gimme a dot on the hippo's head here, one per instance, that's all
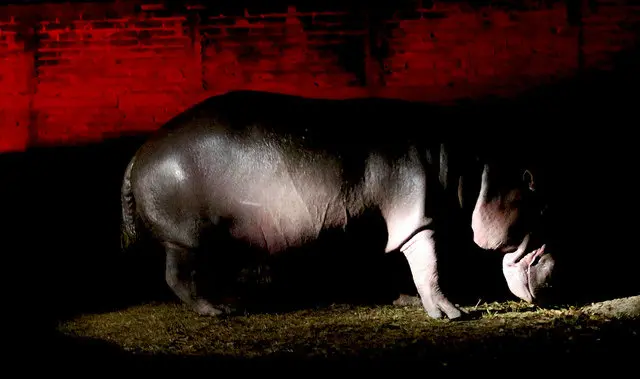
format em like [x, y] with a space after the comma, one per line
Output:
[507, 218]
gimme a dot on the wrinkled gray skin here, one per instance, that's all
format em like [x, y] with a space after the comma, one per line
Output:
[277, 172]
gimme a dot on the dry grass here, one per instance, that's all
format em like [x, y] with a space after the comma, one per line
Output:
[493, 331]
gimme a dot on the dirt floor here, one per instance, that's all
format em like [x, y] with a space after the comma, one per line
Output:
[496, 336]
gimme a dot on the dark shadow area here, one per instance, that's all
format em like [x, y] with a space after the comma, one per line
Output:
[61, 213]
[63, 224]
[614, 351]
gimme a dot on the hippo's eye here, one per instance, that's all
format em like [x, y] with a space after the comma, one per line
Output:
[527, 178]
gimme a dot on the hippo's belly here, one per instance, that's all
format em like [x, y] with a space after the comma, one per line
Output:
[274, 199]
[275, 221]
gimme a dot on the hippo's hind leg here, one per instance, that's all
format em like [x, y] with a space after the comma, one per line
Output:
[180, 275]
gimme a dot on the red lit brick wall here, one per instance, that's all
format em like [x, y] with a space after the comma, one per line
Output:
[275, 52]
[610, 29]
[15, 81]
[104, 77]
[81, 72]
[477, 52]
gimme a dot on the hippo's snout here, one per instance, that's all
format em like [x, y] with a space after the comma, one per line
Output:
[528, 275]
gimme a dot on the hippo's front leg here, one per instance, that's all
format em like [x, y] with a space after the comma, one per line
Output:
[180, 276]
[420, 252]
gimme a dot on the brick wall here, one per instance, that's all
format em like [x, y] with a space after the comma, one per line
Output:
[104, 77]
[608, 29]
[15, 77]
[491, 51]
[81, 71]
[285, 52]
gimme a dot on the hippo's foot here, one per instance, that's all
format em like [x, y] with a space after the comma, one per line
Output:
[407, 300]
[437, 306]
[420, 252]
[180, 276]
[205, 308]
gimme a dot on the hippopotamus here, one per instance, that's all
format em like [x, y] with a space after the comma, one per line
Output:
[275, 172]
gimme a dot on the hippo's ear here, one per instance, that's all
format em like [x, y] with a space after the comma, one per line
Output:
[527, 177]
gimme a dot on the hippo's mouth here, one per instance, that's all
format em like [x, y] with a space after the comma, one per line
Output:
[523, 255]
[525, 276]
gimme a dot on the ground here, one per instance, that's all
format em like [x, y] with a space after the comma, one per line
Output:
[495, 336]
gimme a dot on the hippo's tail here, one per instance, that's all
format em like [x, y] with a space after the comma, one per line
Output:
[128, 232]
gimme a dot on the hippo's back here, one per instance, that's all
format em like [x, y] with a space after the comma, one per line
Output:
[271, 188]
[274, 165]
